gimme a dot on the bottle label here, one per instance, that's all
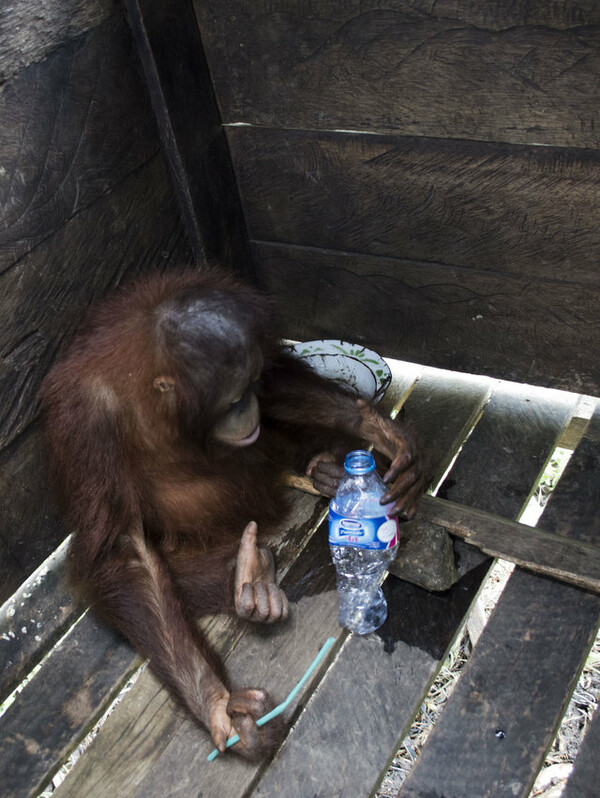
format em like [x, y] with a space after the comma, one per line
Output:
[362, 533]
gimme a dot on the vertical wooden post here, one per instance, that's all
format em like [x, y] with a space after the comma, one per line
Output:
[168, 39]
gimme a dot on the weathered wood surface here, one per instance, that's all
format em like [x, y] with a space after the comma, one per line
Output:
[44, 295]
[473, 256]
[520, 73]
[405, 377]
[574, 433]
[371, 690]
[466, 320]
[527, 211]
[274, 658]
[583, 781]
[193, 140]
[159, 736]
[519, 427]
[574, 511]
[537, 550]
[31, 29]
[42, 299]
[462, 319]
[342, 718]
[73, 127]
[61, 704]
[33, 619]
[81, 184]
[148, 725]
[444, 408]
[29, 526]
[500, 720]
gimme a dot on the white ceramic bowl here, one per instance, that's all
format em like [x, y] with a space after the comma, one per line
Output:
[362, 370]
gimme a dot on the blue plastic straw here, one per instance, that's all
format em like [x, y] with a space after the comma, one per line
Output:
[280, 708]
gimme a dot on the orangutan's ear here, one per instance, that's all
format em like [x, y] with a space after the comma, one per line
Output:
[164, 384]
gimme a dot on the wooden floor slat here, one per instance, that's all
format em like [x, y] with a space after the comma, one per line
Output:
[274, 658]
[369, 698]
[505, 454]
[491, 738]
[502, 716]
[61, 704]
[444, 407]
[573, 507]
[127, 759]
[404, 380]
[584, 780]
[508, 448]
[538, 550]
[147, 737]
[33, 619]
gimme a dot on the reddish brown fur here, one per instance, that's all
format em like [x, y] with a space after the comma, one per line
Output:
[157, 507]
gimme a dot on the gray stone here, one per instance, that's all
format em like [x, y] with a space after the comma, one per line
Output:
[425, 556]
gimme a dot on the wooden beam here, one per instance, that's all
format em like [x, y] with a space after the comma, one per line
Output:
[503, 71]
[484, 206]
[189, 124]
[470, 320]
[535, 549]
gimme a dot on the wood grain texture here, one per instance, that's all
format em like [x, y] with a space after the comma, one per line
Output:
[193, 140]
[444, 408]
[43, 297]
[73, 127]
[276, 658]
[338, 745]
[520, 73]
[404, 378]
[343, 738]
[501, 718]
[33, 619]
[573, 510]
[583, 781]
[157, 739]
[143, 768]
[138, 742]
[529, 211]
[542, 332]
[30, 29]
[37, 732]
[29, 527]
[532, 548]
[508, 449]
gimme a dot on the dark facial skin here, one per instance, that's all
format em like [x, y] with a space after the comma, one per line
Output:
[239, 424]
[216, 323]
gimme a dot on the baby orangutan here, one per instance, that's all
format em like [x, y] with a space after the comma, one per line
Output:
[169, 423]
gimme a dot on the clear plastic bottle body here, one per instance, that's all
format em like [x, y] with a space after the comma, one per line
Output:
[363, 541]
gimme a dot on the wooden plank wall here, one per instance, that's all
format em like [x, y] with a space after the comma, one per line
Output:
[82, 184]
[422, 177]
[86, 198]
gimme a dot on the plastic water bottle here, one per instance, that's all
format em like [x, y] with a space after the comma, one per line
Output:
[363, 541]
